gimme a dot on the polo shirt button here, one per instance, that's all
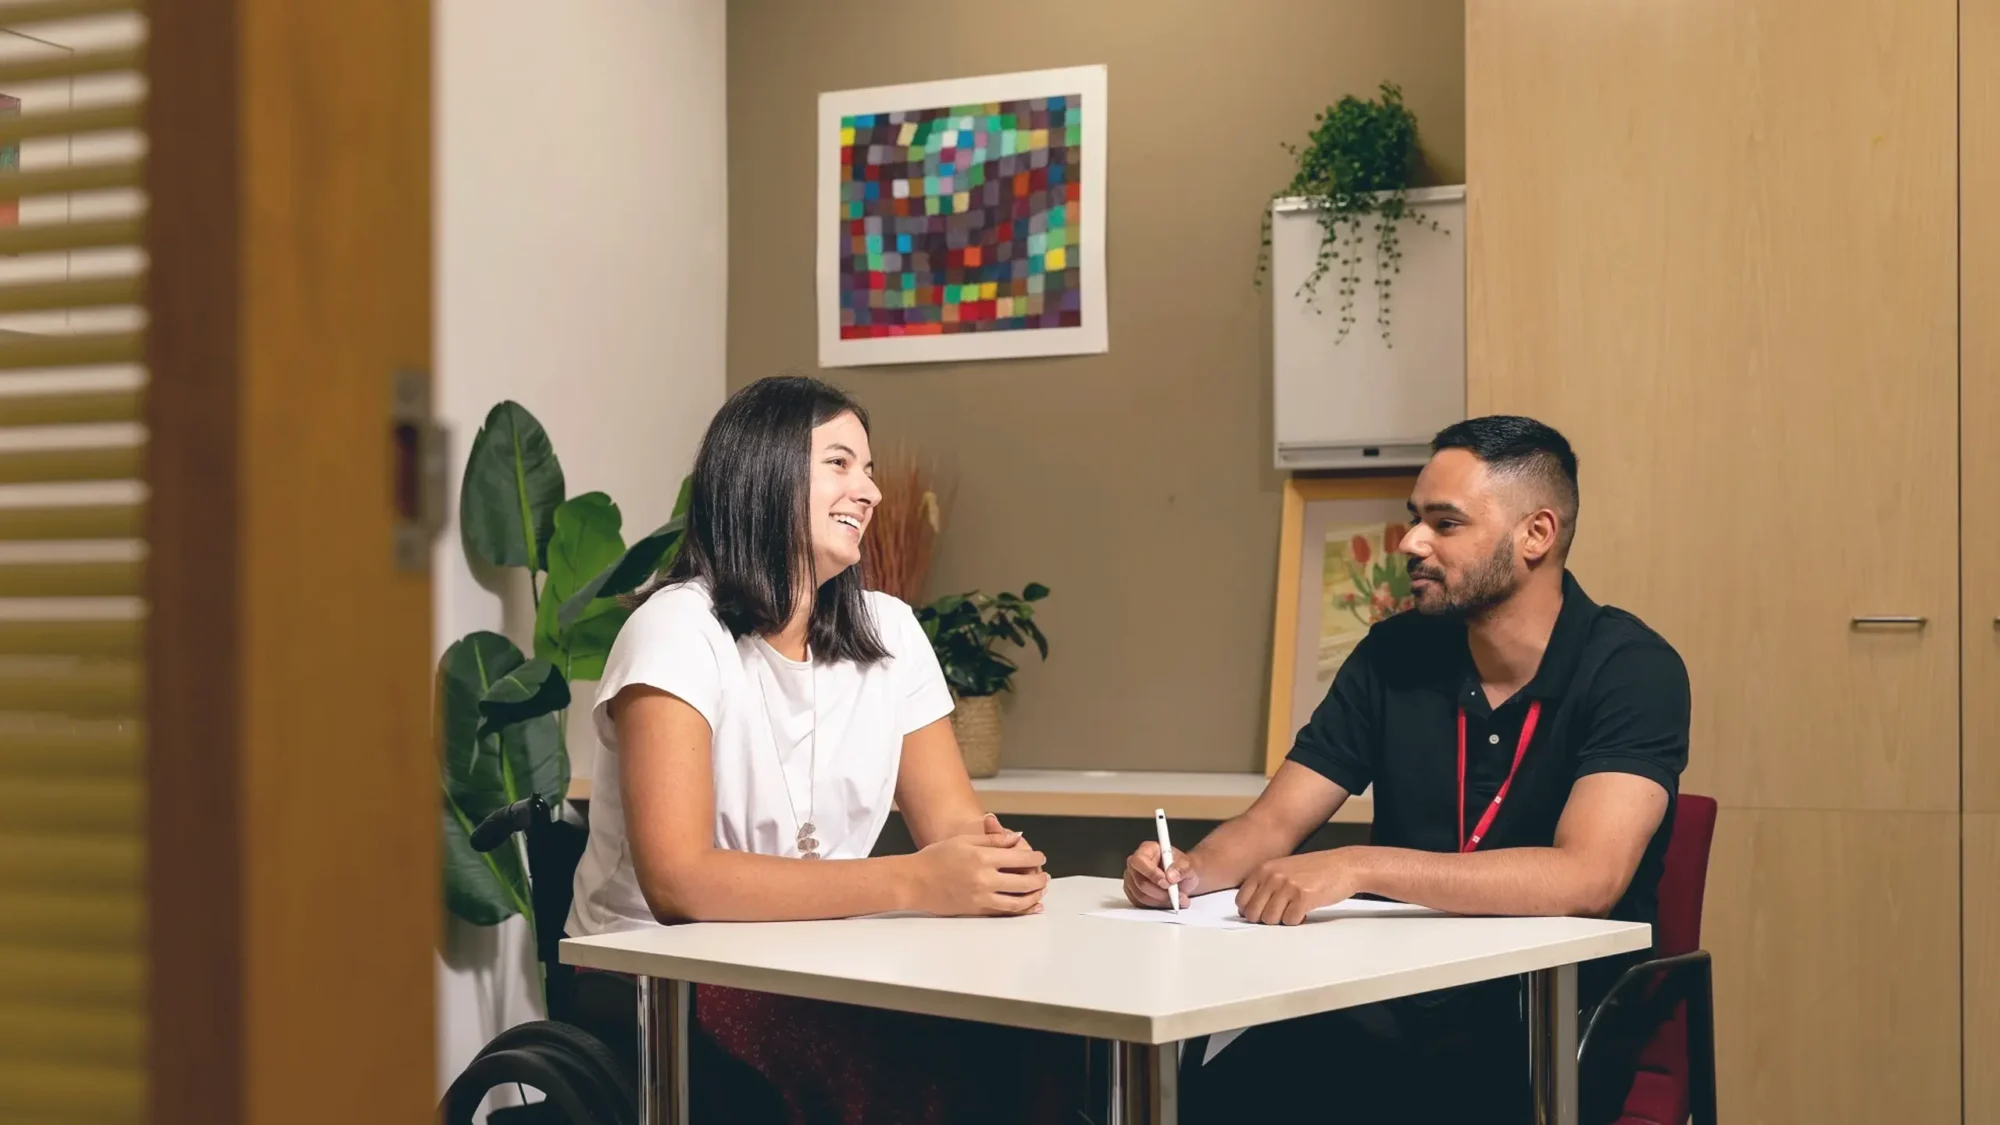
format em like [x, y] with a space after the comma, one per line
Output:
[1494, 739]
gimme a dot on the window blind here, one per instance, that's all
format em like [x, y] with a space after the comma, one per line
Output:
[72, 559]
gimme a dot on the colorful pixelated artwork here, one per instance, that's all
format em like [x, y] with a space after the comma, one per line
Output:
[961, 220]
[964, 227]
[10, 161]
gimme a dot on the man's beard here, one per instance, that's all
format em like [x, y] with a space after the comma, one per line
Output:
[1485, 586]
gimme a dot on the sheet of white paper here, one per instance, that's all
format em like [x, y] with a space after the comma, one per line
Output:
[1217, 911]
[1371, 908]
[1217, 1042]
[1212, 912]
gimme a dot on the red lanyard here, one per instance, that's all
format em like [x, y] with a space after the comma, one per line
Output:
[1492, 810]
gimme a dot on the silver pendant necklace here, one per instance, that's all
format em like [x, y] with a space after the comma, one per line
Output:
[806, 841]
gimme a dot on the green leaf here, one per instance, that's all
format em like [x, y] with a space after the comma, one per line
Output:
[512, 485]
[647, 557]
[588, 642]
[484, 769]
[468, 669]
[578, 649]
[1035, 631]
[537, 759]
[586, 543]
[529, 690]
[485, 890]
[1360, 581]
[683, 498]
[1399, 582]
[488, 765]
[963, 628]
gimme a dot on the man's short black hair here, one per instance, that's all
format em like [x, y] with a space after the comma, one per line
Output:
[1528, 450]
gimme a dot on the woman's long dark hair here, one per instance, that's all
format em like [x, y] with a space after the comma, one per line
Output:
[749, 527]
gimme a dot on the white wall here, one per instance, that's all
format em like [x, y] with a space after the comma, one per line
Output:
[580, 262]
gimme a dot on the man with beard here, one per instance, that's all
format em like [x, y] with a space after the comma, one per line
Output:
[1525, 746]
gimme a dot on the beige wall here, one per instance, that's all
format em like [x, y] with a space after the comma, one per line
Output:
[1137, 484]
[578, 246]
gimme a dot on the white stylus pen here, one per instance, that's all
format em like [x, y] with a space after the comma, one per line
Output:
[1167, 858]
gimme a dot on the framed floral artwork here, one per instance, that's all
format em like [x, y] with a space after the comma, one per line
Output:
[1338, 574]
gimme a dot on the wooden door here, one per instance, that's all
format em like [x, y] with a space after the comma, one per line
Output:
[293, 810]
[1715, 242]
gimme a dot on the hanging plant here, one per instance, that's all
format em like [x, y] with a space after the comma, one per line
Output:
[1355, 171]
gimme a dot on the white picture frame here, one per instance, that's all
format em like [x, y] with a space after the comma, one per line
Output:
[1085, 275]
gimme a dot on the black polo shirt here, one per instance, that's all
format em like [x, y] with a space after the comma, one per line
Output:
[1614, 698]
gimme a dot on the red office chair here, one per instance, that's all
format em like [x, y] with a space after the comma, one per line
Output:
[1661, 1014]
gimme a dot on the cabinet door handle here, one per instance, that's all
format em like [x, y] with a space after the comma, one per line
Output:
[1910, 621]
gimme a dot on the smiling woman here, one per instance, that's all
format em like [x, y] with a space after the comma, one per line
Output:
[778, 460]
[758, 649]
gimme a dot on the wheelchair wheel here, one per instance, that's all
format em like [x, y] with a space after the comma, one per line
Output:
[577, 1075]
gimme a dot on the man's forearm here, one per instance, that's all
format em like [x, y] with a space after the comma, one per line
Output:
[1227, 855]
[1523, 881]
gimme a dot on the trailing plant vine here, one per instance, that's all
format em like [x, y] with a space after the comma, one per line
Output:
[1355, 169]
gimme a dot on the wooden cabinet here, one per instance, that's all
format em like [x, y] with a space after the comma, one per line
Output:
[1979, 532]
[1717, 243]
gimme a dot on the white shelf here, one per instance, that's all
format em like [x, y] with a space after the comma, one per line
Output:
[1136, 793]
[1117, 793]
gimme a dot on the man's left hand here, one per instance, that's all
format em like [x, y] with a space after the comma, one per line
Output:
[1281, 891]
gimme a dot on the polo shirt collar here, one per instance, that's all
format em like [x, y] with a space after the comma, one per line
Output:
[1566, 643]
[1559, 660]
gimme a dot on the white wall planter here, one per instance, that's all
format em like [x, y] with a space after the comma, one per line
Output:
[1360, 402]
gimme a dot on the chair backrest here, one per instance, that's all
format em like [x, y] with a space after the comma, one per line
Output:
[1684, 877]
[1659, 1091]
[554, 850]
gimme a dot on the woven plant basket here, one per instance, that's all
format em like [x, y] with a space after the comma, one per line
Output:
[976, 723]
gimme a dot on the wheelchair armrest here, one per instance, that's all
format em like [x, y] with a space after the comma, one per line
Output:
[1661, 984]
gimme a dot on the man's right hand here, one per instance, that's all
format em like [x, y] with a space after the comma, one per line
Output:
[1146, 885]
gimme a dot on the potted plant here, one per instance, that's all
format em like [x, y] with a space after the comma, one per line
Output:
[1354, 171]
[963, 629]
[500, 718]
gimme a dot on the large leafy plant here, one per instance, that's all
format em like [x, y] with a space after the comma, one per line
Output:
[1355, 169]
[501, 723]
[963, 628]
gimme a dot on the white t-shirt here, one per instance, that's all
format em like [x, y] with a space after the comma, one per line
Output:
[764, 715]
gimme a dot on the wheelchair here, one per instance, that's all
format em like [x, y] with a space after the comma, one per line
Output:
[583, 1080]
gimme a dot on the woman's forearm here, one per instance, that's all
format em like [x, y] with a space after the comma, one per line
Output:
[718, 885]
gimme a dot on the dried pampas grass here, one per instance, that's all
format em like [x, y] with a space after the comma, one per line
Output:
[896, 557]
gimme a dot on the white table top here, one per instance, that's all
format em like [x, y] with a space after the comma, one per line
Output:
[1065, 971]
